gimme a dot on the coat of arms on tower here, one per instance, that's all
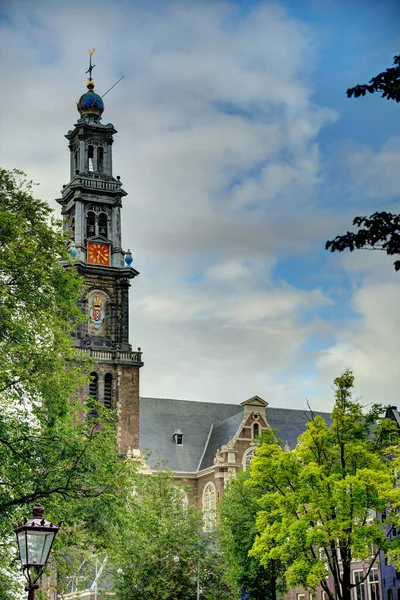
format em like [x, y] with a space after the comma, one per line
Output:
[97, 311]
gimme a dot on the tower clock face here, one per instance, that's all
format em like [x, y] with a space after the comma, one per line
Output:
[98, 254]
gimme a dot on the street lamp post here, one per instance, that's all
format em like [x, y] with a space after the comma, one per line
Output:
[35, 539]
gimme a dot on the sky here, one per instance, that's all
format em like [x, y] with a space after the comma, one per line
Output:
[241, 156]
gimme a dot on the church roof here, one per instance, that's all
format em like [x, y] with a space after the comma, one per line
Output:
[160, 417]
[207, 426]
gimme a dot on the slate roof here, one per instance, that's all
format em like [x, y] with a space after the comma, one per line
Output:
[220, 435]
[206, 426]
[159, 417]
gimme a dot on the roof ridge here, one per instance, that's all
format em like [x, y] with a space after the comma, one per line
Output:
[205, 447]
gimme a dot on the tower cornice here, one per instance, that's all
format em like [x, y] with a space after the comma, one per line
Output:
[87, 128]
[83, 184]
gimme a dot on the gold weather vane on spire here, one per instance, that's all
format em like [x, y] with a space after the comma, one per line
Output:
[90, 69]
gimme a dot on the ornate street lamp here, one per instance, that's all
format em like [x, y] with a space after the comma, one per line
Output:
[35, 539]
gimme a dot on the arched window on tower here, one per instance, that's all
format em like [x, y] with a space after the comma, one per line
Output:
[108, 390]
[103, 229]
[100, 159]
[209, 507]
[256, 430]
[90, 158]
[93, 385]
[90, 224]
[93, 392]
[76, 160]
[73, 227]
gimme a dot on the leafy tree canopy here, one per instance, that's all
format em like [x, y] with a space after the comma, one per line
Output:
[238, 512]
[160, 550]
[48, 453]
[386, 83]
[380, 231]
[325, 499]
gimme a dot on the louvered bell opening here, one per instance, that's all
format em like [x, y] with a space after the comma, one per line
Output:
[93, 385]
[108, 390]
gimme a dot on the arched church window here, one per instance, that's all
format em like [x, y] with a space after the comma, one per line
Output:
[93, 385]
[90, 224]
[100, 158]
[107, 390]
[103, 224]
[256, 430]
[209, 507]
[248, 457]
[90, 158]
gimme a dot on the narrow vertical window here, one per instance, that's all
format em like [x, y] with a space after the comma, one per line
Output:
[248, 458]
[100, 159]
[373, 584]
[90, 224]
[359, 590]
[103, 224]
[76, 160]
[256, 430]
[209, 507]
[93, 385]
[72, 227]
[108, 390]
[90, 158]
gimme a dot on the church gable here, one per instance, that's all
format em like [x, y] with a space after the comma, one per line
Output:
[255, 401]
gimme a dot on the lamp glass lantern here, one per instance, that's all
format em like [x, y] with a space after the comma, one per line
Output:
[35, 539]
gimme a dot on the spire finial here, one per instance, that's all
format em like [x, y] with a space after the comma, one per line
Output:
[91, 67]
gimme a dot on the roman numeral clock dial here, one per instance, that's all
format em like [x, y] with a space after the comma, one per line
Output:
[98, 254]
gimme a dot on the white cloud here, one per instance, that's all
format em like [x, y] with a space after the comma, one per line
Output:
[218, 151]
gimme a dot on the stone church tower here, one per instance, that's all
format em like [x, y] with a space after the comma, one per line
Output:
[91, 208]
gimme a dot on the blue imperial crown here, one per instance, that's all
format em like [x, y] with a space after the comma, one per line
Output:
[90, 103]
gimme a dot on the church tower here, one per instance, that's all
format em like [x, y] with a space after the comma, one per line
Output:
[91, 207]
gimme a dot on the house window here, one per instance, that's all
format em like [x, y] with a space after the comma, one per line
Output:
[301, 597]
[324, 596]
[90, 224]
[390, 595]
[107, 390]
[209, 507]
[373, 584]
[256, 430]
[359, 590]
[93, 386]
[103, 224]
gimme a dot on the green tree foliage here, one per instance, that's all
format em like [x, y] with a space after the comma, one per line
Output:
[325, 499]
[380, 231]
[159, 548]
[238, 512]
[48, 453]
[386, 83]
